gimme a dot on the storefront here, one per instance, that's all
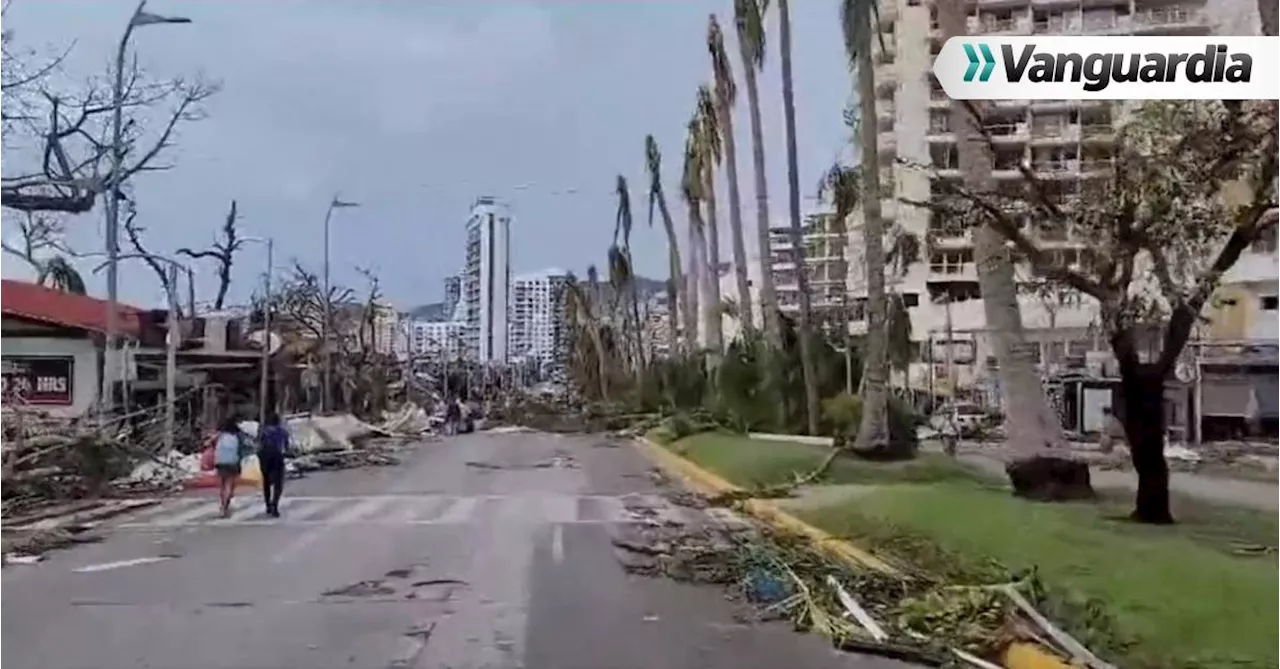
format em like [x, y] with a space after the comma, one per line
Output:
[52, 347]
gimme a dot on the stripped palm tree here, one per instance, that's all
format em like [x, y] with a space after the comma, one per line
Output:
[585, 320]
[59, 273]
[805, 325]
[1030, 423]
[653, 163]
[710, 146]
[691, 189]
[859, 20]
[622, 228]
[749, 21]
[726, 96]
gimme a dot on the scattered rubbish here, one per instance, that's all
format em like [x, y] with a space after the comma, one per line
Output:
[118, 564]
[854, 609]
[399, 573]
[651, 619]
[557, 461]
[438, 581]
[372, 588]
[229, 605]
[16, 558]
[1074, 649]
[421, 631]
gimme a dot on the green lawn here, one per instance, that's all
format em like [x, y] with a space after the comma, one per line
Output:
[1177, 596]
[752, 462]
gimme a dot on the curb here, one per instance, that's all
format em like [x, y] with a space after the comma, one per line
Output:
[764, 510]
[1019, 655]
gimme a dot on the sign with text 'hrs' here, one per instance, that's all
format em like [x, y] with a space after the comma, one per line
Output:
[39, 380]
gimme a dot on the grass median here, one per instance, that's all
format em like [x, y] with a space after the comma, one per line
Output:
[1198, 594]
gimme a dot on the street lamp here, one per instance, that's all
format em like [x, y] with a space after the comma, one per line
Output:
[263, 383]
[171, 345]
[335, 203]
[139, 18]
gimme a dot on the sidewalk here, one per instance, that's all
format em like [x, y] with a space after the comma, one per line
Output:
[1236, 492]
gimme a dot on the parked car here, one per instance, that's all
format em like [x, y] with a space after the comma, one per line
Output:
[960, 419]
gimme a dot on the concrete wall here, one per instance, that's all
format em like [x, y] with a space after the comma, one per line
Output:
[85, 380]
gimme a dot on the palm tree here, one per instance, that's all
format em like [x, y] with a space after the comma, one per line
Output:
[726, 96]
[1030, 424]
[582, 321]
[797, 239]
[749, 20]
[623, 225]
[60, 274]
[711, 148]
[857, 18]
[653, 162]
[692, 188]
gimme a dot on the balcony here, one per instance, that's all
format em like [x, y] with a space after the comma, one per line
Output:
[1007, 133]
[1055, 133]
[888, 142]
[1162, 19]
[1102, 132]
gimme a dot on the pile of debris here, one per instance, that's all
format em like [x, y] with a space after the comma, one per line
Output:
[1245, 458]
[911, 616]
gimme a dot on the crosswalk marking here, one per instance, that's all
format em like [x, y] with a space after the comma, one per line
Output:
[413, 510]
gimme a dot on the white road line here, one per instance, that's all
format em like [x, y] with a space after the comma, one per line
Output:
[458, 511]
[254, 508]
[306, 540]
[305, 509]
[183, 517]
[104, 566]
[559, 509]
[557, 544]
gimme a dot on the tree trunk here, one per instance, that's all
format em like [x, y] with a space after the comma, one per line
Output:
[1142, 398]
[1031, 427]
[805, 326]
[746, 314]
[768, 294]
[711, 311]
[1268, 15]
[873, 433]
[693, 282]
[681, 304]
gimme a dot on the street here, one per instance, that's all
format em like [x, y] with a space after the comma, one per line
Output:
[486, 551]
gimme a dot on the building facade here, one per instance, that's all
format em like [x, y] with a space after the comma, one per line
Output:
[486, 281]
[437, 339]
[538, 317]
[824, 260]
[452, 292]
[1070, 142]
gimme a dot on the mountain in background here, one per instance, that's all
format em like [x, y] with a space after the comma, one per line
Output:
[436, 311]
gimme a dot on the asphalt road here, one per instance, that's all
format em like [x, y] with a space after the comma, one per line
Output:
[437, 563]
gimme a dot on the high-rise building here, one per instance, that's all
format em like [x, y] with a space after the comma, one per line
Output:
[538, 317]
[486, 280]
[1071, 142]
[824, 259]
[452, 293]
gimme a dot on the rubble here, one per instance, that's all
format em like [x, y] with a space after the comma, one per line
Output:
[775, 576]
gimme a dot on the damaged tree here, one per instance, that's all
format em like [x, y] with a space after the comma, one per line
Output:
[41, 247]
[72, 132]
[223, 252]
[1188, 187]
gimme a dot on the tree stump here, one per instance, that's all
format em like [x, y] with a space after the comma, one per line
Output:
[1050, 478]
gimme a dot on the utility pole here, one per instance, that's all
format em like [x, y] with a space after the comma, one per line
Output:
[112, 360]
[265, 382]
[171, 360]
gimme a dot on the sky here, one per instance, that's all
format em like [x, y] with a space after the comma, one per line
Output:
[414, 108]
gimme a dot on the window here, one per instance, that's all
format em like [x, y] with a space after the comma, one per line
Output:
[1269, 302]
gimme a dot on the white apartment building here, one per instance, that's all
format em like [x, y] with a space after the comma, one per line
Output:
[537, 317]
[824, 259]
[435, 339]
[486, 280]
[386, 329]
[1068, 141]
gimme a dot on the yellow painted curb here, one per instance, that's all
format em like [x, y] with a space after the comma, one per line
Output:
[1023, 655]
[765, 510]
[1018, 655]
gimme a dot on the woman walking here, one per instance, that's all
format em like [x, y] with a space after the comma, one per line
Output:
[273, 442]
[228, 450]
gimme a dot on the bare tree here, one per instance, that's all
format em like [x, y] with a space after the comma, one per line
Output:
[72, 130]
[223, 252]
[133, 232]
